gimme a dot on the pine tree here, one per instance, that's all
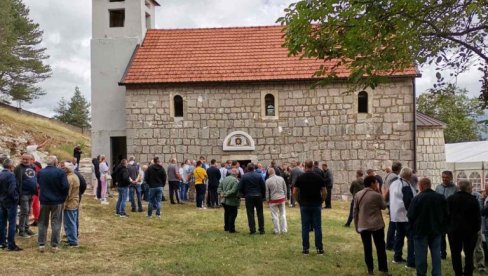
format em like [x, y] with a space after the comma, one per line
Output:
[75, 112]
[21, 58]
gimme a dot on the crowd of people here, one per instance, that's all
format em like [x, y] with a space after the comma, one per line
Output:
[417, 213]
[421, 215]
[52, 194]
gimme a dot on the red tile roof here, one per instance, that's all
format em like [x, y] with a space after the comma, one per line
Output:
[427, 121]
[221, 54]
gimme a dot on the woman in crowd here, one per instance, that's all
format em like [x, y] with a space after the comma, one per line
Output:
[104, 177]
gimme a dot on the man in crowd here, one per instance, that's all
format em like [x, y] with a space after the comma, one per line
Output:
[82, 191]
[356, 186]
[53, 192]
[398, 214]
[173, 180]
[427, 215]
[391, 176]
[447, 188]
[135, 187]
[229, 191]
[213, 174]
[295, 172]
[329, 184]
[25, 175]
[275, 167]
[9, 197]
[253, 189]
[70, 214]
[77, 155]
[464, 224]
[155, 177]
[310, 192]
[276, 197]
[123, 181]
[96, 172]
[191, 181]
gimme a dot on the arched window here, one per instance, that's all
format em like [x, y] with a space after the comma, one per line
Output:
[269, 104]
[475, 179]
[178, 105]
[363, 102]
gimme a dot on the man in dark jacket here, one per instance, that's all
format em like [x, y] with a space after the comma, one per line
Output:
[464, 224]
[427, 216]
[53, 192]
[25, 174]
[77, 155]
[329, 184]
[253, 189]
[96, 168]
[9, 197]
[155, 177]
[213, 174]
[123, 181]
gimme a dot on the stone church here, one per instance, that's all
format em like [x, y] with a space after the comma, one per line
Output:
[235, 94]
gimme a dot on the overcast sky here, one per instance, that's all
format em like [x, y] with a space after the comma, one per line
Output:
[67, 33]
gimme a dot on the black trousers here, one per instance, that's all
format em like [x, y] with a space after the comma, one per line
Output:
[379, 242]
[173, 190]
[328, 199]
[99, 188]
[230, 215]
[462, 242]
[443, 246]
[251, 203]
[213, 196]
[390, 234]
[349, 218]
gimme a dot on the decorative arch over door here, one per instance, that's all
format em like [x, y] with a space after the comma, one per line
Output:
[238, 141]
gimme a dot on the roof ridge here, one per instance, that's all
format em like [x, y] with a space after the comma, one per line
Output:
[216, 28]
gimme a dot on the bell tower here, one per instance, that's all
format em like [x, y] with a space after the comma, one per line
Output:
[118, 26]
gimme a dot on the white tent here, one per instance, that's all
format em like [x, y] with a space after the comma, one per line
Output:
[469, 160]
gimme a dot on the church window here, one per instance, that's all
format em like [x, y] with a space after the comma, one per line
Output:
[269, 103]
[117, 18]
[178, 106]
[363, 102]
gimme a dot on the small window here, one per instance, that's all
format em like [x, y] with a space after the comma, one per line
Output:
[461, 176]
[117, 18]
[148, 21]
[116, 0]
[363, 102]
[269, 103]
[178, 104]
[475, 179]
[147, 4]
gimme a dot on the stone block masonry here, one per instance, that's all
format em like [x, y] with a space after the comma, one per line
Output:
[320, 123]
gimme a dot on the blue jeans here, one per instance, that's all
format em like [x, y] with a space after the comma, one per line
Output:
[137, 190]
[69, 219]
[155, 195]
[434, 244]
[120, 208]
[311, 215]
[402, 231]
[8, 214]
[184, 191]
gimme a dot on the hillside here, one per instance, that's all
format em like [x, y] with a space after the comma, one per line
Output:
[17, 128]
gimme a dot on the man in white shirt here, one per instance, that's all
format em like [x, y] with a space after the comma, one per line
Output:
[398, 214]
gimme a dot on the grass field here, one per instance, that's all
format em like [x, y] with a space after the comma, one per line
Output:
[187, 241]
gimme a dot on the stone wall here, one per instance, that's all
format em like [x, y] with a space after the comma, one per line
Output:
[311, 123]
[431, 156]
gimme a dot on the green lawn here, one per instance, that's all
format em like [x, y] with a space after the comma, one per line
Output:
[187, 241]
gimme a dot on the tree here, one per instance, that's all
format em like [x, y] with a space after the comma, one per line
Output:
[21, 58]
[452, 106]
[375, 37]
[75, 112]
